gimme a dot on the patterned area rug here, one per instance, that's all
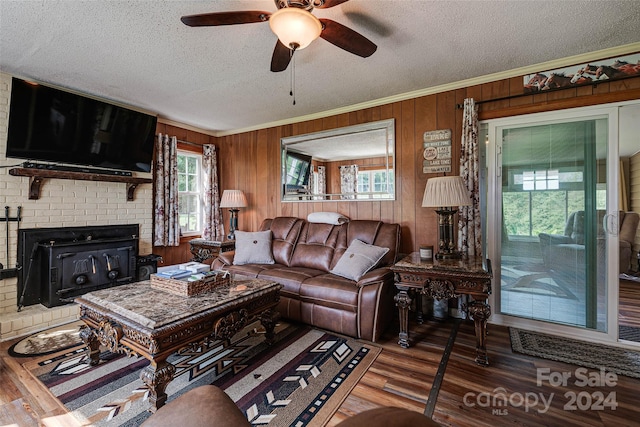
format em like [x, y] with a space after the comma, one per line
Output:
[300, 380]
[50, 341]
[581, 353]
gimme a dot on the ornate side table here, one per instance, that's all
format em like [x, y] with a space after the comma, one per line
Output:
[444, 279]
[202, 249]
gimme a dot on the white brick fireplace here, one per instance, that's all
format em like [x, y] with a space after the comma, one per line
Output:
[62, 203]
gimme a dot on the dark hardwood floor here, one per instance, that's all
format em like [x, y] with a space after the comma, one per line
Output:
[629, 303]
[404, 378]
[469, 394]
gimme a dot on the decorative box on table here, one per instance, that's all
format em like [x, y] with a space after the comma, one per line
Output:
[188, 288]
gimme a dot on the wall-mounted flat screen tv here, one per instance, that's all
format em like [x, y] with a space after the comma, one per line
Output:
[54, 125]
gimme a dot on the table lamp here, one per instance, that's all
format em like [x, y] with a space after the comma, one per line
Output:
[233, 199]
[446, 193]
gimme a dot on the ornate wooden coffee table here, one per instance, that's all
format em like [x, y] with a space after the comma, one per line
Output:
[136, 319]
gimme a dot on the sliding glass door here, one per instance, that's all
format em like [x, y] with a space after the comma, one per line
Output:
[550, 223]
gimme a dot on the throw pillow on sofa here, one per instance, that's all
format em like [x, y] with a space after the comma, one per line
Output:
[358, 259]
[253, 248]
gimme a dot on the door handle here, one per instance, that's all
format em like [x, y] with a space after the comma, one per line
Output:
[610, 219]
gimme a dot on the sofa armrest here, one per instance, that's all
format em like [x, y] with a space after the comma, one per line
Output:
[377, 275]
[223, 260]
[554, 239]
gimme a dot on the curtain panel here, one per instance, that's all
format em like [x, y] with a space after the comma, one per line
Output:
[469, 222]
[166, 228]
[213, 228]
[349, 181]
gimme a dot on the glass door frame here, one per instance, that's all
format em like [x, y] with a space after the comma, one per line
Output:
[494, 217]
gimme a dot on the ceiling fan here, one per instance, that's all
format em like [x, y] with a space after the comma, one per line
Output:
[295, 26]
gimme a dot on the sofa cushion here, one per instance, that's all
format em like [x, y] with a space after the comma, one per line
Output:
[289, 277]
[253, 248]
[330, 290]
[372, 232]
[250, 270]
[358, 259]
[285, 231]
[315, 246]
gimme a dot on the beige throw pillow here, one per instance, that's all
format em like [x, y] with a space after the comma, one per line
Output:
[358, 259]
[253, 248]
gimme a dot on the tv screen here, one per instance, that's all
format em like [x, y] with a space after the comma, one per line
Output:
[297, 170]
[57, 126]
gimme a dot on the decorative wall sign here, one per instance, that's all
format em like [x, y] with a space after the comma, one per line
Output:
[437, 151]
[583, 74]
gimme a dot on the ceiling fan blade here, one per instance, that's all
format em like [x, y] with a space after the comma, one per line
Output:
[347, 39]
[330, 3]
[281, 57]
[225, 18]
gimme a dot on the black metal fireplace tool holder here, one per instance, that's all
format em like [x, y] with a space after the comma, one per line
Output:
[5, 271]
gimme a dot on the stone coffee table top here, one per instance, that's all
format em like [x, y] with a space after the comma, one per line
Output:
[153, 308]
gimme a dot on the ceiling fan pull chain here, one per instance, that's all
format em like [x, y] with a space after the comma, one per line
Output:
[292, 91]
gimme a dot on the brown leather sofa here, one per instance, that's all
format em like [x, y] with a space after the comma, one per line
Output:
[305, 252]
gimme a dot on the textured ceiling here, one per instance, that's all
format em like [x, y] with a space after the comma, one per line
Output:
[218, 78]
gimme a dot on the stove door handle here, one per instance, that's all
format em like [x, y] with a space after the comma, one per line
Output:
[93, 263]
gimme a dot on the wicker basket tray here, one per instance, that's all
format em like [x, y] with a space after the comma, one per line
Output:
[186, 288]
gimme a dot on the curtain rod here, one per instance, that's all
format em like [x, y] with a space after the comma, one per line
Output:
[187, 142]
[190, 143]
[504, 98]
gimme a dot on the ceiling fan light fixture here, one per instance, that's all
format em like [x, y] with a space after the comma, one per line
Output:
[295, 28]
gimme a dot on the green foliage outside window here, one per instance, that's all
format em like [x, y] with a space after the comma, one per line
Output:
[189, 193]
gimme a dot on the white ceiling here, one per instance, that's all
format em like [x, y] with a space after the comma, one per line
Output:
[217, 79]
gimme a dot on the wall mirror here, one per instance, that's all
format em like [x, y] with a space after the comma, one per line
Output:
[354, 163]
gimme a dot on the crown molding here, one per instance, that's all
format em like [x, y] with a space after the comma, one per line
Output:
[170, 122]
[522, 71]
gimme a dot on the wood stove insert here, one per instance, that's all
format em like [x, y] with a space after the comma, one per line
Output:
[55, 265]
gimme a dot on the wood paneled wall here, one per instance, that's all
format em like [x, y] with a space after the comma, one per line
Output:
[250, 161]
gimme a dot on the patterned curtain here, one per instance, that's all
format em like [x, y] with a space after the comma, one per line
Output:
[212, 222]
[469, 223]
[322, 180]
[349, 181]
[313, 178]
[166, 228]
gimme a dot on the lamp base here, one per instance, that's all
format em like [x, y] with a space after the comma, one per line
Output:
[445, 235]
[233, 224]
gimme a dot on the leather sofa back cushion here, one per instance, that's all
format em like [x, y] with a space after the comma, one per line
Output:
[371, 232]
[316, 246]
[284, 234]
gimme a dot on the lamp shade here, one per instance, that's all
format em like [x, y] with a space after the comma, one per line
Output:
[445, 191]
[295, 27]
[233, 199]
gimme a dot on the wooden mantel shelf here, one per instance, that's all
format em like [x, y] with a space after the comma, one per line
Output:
[36, 177]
